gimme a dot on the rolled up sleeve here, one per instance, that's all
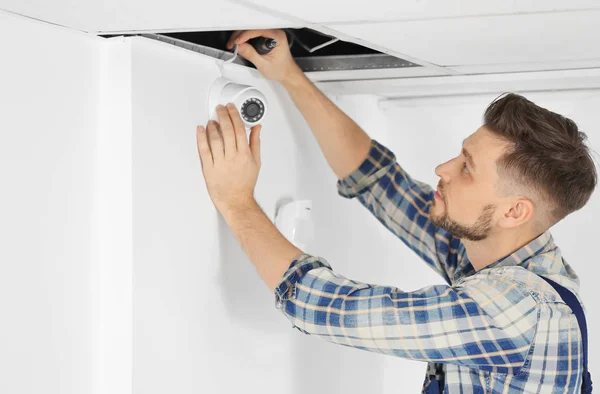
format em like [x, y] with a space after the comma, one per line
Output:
[299, 267]
[375, 166]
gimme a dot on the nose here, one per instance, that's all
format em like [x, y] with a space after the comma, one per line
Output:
[442, 172]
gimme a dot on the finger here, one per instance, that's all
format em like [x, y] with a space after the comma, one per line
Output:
[203, 147]
[248, 52]
[234, 36]
[255, 143]
[215, 141]
[246, 35]
[229, 141]
[239, 127]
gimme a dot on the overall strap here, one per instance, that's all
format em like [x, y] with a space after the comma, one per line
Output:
[572, 301]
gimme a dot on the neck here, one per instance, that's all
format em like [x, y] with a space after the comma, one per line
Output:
[494, 247]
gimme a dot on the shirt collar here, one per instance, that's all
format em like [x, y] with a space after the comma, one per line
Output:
[542, 243]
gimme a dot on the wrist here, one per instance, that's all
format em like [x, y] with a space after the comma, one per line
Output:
[293, 78]
[239, 208]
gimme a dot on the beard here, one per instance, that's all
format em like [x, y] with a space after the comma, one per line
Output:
[477, 232]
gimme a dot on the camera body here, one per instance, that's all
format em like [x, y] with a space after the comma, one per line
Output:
[250, 102]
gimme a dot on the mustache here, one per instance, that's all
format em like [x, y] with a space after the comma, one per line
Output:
[440, 188]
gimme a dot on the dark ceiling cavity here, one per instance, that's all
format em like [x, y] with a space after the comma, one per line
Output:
[312, 50]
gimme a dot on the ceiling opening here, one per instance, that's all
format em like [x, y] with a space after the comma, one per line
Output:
[312, 50]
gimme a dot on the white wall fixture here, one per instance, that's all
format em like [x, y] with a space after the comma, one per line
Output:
[250, 102]
[294, 220]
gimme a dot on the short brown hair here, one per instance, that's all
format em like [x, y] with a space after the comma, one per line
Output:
[547, 154]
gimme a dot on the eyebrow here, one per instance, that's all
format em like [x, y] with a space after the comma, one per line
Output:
[469, 157]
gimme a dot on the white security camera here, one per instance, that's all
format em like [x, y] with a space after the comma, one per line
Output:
[250, 102]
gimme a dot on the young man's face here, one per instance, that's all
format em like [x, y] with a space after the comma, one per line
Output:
[467, 206]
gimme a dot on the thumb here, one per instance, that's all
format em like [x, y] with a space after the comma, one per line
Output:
[255, 143]
[248, 52]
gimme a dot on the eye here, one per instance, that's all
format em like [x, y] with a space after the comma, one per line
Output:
[465, 167]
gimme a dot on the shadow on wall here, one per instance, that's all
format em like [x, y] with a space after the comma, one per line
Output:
[243, 293]
[321, 366]
[242, 290]
[315, 365]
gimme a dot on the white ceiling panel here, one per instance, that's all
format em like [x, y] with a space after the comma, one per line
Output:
[337, 11]
[547, 37]
[139, 15]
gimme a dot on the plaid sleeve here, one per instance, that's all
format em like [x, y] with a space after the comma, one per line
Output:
[402, 205]
[487, 324]
[303, 263]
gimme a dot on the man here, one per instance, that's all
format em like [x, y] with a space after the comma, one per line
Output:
[497, 326]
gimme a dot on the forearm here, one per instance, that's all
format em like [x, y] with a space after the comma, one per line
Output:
[268, 250]
[344, 144]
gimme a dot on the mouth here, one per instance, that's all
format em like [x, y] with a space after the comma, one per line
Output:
[438, 194]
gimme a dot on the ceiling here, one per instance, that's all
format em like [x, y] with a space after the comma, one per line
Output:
[448, 37]
[108, 16]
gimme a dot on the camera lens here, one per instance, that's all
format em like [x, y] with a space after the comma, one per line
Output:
[253, 110]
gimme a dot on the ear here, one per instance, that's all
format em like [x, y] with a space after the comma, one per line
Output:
[520, 212]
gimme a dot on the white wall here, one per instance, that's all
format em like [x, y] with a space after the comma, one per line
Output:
[118, 274]
[49, 94]
[112, 249]
[203, 319]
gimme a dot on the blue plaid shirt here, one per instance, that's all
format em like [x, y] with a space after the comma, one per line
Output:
[502, 329]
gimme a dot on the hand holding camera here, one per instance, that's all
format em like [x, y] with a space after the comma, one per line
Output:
[248, 100]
